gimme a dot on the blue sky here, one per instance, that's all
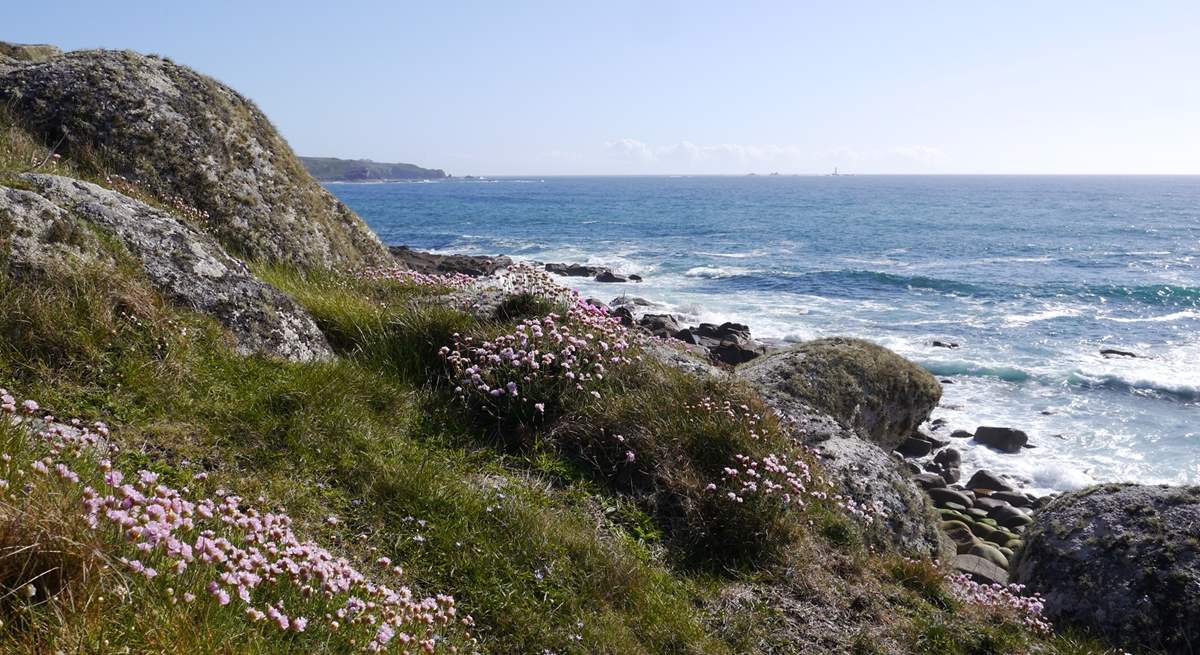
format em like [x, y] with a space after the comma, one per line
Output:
[690, 87]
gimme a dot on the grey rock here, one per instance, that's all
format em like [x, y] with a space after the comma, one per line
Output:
[915, 447]
[576, 270]
[1122, 560]
[727, 343]
[609, 276]
[660, 325]
[866, 387]
[1014, 498]
[429, 263]
[928, 480]
[186, 138]
[985, 479]
[979, 569]
[943, 496]
[191, 269]
[43, 237]
[1004, 439]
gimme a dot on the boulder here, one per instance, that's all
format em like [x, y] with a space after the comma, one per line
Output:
[944, 344]
[1014, 498]
[946, 464]
[625, 315]
[576, 270]
[985, 479]
[191, 142]
[990, 553]
[609, 276]
[660, 325]
[869, 389]
[187, 266]
[941, 496]
[1004, 439]
[961, 434]
[429, 263]
[1122, 560]
[980, 570]
[635, 278]
[621, 301]
[1009, 517]
[928, 480]
[728, 343]
[1113, 352]
[914, 447]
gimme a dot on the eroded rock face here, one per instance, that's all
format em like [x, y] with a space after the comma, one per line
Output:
[866, 387]
[28, 52]
[1123, 560]
[187, 266]
[179, 134]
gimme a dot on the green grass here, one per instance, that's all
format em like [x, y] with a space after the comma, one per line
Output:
[546, 539]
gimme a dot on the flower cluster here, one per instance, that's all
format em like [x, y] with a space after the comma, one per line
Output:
[177, 204]
[447, 281]
[540, 363]
[227, 552]
[773, 475]
[1009, 600]
[520, 278]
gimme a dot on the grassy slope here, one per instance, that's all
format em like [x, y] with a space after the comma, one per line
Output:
[546, 550]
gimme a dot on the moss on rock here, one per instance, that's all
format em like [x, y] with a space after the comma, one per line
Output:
[188, 139]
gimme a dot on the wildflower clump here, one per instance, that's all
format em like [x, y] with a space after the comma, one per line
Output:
[542, 366]
[1008, 601]
[189, 548]
[444, 282]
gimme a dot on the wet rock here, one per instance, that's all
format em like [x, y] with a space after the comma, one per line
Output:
[625, 315]
[660, 325]
[914, 447]
[623, 301]
[985, 479]
[728, 343]
[576, 270]
[944, 344]
[633, 277]
[1014, 498]
[942, 496]
[928, 480]
[1113, 352]
[1122, 560]
[429, 263]
[961, 434]
[1004, 439]
[609, 276]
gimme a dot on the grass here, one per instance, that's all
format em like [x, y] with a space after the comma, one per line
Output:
[550, 538]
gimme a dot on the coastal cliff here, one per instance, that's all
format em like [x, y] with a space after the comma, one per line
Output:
[232, 421]
[332, 169]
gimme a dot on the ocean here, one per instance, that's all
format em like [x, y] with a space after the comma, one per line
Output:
[1030, 276]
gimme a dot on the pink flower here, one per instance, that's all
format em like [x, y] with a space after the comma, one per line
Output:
[30, 406]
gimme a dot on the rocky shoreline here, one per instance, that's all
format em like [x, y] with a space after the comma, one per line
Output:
[985, 519]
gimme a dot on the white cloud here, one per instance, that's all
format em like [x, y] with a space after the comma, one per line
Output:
[686, 156]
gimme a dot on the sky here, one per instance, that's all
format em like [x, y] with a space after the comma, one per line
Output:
[615, 87]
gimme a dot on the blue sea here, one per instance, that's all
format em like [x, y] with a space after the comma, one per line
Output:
[1031, 276]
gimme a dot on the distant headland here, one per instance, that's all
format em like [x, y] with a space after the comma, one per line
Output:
[332, 169]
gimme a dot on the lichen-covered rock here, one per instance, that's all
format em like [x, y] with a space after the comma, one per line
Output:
[866, 387]
[903, 517]
[181, 135]
[41, 237]
[1122, 560]
[186, 266]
